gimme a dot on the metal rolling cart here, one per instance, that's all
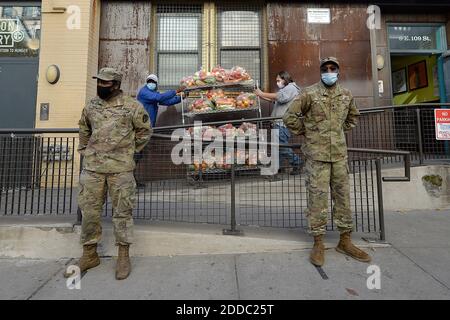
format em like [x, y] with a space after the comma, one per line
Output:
[232, 88]
[197, 175]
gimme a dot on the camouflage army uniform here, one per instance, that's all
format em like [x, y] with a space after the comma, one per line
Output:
[327, 112]
[110, 133]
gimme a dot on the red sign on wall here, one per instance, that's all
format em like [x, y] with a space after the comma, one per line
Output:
[442, 124]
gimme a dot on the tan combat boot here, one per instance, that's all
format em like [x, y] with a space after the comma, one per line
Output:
[88, 260]
[123, 267]
[346, 246]
[317, 253]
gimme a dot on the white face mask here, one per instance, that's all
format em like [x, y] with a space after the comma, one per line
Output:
[329, 78]
[151, 86]
[280, 84]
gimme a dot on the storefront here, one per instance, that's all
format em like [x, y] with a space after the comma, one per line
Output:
[399, 62]
[415, 53]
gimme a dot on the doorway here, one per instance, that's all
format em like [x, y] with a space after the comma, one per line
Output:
[414, 51]
[415, 79]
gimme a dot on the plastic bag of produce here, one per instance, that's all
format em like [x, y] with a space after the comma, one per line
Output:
[201, 105]
[225, 103]
[187, 82]
[213, 94]
[237, 74]
[219, 73]
[245, 100]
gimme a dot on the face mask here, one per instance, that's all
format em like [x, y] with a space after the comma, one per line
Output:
[329, 78]
[104, 92]
[151, 86]
[280, 84]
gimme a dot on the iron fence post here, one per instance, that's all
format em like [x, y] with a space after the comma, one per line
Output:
[233, 231]
[419, 135]
[79, 215]
[380, 199]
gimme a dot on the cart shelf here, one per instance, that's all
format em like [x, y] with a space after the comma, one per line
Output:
[249, 84]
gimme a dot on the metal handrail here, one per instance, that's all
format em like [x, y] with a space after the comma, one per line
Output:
[38, 130]
[165, 128]
[406, 156]
[416, 105]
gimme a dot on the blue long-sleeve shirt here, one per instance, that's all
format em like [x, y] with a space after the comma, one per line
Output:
[151, 99]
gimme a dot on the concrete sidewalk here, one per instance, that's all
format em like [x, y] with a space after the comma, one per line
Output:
[264, 264]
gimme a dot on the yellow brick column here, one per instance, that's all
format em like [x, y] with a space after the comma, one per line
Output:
[75, 52]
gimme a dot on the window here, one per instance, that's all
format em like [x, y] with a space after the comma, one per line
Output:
[178, 44]
[9, 12]
[19, 31]
[31, 12]
[239, 34]
[189, 37]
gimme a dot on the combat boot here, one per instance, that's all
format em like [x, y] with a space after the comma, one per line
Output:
[317, 253]
[88, 260]
[346, 246]
[123, 267]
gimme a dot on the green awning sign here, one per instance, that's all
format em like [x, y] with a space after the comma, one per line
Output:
[416, 38]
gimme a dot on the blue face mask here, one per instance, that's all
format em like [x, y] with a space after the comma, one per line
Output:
[151, 86]
[329, 78]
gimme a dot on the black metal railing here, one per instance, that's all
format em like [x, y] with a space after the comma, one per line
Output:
[39, 174]
[405, 127]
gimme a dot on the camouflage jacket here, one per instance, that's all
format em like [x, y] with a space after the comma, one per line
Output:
[111, 132]
[326, 114]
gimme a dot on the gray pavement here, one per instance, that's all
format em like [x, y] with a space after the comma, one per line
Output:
[414, 266]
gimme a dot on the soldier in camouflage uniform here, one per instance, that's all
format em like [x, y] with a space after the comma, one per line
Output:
[112, 128]
[322, 113]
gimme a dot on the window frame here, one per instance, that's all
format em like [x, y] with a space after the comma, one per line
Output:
[25, 4]
[210, 49]
[159, 52]
[259, 48]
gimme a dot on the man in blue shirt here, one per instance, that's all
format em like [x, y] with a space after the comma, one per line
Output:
[151, 98]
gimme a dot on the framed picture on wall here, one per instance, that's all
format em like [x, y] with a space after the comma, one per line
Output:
[399, 81]
[417, 75]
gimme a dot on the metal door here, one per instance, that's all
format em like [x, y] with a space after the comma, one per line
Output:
[18, 85]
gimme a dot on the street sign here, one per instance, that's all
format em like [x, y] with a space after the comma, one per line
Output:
[442, 124]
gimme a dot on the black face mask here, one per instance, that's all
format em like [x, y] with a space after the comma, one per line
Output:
[105, 92]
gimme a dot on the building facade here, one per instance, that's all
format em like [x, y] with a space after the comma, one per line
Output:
[392, 53]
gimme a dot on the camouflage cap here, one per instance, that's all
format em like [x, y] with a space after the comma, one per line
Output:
[108, 74]
[329, 60]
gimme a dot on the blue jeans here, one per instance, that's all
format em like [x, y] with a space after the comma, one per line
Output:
[286, 153]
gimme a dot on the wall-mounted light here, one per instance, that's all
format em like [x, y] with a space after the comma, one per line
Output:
[380, 62]
[52, 75]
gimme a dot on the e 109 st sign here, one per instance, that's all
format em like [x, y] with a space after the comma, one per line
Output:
[10, 33]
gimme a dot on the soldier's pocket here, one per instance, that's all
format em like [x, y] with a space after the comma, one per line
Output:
[342, 107]
[127, 194]
[317, 113]
[82, 180]
[129, 199]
